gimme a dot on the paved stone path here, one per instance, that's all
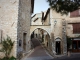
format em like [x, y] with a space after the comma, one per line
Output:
[73, 56]
[39, 53]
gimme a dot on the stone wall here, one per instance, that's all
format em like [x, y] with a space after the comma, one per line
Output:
[1, 53]
[56, 29]
[47, 20]
[56, 20]
[38, 21]
[24, 17]
[8, 20]
[46, 28]
[15, 16]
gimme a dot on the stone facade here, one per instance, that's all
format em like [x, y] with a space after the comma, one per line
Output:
[70, 26]
[24, 17]
[59, 27]
[55, 24]
[15, 16]
[8, 20]
[70, 29]
[37, 17]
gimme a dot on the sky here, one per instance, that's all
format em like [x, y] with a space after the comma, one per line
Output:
[40, 5]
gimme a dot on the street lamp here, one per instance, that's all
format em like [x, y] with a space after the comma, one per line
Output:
[55, 22]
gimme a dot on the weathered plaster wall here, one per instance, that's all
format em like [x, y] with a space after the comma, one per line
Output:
[70, 26]
[37, 22]
[47, 21]
[56, 23]
[58, 28]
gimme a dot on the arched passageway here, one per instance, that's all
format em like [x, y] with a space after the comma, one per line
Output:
[42, 36]
[46, 28]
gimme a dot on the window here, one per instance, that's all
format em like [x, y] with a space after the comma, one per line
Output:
[20, 41]
[24, 41]
[76, 28]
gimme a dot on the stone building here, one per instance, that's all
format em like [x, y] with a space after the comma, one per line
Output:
[73, 30]
[15, 16]
[59, 27]
[55, 25]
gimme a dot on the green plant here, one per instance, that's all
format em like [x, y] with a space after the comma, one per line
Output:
[7, 46]
[12, 58]
[69, 42]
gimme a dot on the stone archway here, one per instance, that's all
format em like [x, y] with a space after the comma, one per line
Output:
[46, 28]
[43, 36]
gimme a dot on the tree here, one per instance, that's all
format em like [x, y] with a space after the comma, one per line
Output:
[64, 6]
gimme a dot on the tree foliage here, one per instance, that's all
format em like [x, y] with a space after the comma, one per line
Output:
[64, 6]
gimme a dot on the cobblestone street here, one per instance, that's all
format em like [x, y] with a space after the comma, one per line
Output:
[39, 53]
[73, 56]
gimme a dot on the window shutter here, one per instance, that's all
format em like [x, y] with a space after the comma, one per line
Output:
[76, 28]
[75, 13]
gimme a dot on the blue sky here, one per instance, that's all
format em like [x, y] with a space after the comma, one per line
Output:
[40, 5]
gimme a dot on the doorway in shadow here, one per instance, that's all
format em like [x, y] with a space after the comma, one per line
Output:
[58, 49]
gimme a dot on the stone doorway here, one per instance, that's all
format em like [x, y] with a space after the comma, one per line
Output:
[58, 49]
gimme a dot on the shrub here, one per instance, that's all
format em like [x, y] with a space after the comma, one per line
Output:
[7, 46]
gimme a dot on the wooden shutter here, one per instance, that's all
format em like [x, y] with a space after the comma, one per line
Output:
[76, 28]
[75, 13]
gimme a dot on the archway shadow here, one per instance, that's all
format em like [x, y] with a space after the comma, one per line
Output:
[35, 42]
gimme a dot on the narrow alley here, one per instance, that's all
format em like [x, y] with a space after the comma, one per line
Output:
[38, 53]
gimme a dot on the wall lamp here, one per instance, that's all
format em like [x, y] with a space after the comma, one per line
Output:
[55, 22]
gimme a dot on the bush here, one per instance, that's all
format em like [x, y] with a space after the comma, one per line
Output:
[7, 46]
[11, 58]
[69, 42]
